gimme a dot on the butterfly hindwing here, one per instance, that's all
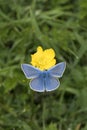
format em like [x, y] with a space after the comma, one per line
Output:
[37, 84]
[57, 70]
[51, 83]
[30, 71]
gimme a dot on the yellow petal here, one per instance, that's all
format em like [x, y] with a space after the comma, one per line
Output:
[50, 64]
[39, 49]
[43, 59]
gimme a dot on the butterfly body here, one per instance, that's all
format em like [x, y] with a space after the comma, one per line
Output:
[44, 74]
[46, 80]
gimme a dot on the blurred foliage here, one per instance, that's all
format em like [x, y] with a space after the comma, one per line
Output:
[57, 24]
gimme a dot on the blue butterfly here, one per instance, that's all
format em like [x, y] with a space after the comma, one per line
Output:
[44, 80]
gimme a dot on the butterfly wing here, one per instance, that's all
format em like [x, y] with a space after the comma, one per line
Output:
[37, 84]
[57, 70]
[30, 71]
[51, 83]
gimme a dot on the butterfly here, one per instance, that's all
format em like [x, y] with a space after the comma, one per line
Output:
[46, 80]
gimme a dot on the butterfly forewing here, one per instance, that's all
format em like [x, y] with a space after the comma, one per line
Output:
[57, 70]
[30, 71]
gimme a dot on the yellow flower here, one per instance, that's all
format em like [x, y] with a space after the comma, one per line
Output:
[43, 59]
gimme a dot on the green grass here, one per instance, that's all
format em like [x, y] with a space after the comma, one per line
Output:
[57, 24]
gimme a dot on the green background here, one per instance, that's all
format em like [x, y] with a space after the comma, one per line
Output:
[57, 24]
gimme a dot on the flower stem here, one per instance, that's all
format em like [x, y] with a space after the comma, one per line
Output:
[43, 114]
